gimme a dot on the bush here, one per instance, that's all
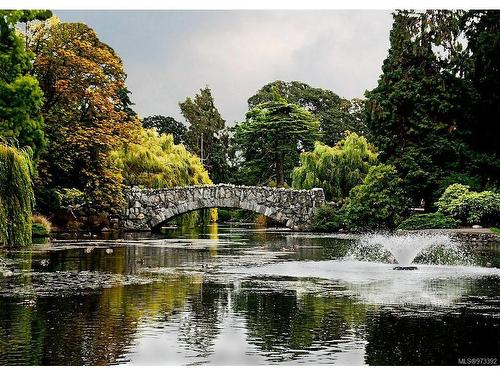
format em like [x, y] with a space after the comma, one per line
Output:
[327, 219]
[470, 207]
[435, 220]
[377, 203]
[41, 226]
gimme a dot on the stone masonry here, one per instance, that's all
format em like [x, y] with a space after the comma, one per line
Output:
[148, 209]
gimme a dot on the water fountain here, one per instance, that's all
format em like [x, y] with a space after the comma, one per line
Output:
[406, 247]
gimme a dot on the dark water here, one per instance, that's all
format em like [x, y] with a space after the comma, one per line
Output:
[243, 296]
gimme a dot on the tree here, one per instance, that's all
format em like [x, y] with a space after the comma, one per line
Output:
[482, 30]
[166, 125]
[16, 195]
[335, 169]
[20, 94]
[207, 135]
[155, 161]
[85, 112]
[417, 111]
[336, 115]
[272, 137]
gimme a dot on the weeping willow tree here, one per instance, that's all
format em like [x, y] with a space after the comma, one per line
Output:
[155, 161]
[335, 169]
[16, 195]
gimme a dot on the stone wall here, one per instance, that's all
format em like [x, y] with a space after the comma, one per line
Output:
[146, 209]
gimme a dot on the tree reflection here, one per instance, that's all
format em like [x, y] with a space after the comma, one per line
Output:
[90, 329]
[431, 339]
[287, 326]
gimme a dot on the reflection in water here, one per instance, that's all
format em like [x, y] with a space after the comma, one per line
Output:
[241, 296]
[398, 339]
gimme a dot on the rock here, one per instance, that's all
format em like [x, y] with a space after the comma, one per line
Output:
[109, 251]
[476, 227]
[8, 273]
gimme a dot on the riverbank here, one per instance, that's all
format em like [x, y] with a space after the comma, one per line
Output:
[464, 234]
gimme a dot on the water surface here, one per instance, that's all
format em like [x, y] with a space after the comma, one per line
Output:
[245, 296]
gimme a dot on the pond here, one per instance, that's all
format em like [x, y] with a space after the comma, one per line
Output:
[245, 296]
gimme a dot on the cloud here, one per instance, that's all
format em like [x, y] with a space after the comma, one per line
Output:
[169, 55]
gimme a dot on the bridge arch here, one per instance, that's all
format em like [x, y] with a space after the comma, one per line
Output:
[146, 209]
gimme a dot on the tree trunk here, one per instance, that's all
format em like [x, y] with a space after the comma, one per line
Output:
[280, 178]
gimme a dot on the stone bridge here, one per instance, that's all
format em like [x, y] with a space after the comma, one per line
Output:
[148, 209]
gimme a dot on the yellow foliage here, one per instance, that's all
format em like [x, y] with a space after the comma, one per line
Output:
[155, 161]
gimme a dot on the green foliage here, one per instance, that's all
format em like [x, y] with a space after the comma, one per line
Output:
[166, 125]
[435, 220]
[379, 202]
[336, 115]
[41, 226]
[495, 230]
[335, 169]
[16, 196]
[470, 207]
[156, 162]
[39, 231]
[435, 110]
[70, 197]
[328, 218]
[20, 95]
[272, 138]
[483, 72]
[207, 135]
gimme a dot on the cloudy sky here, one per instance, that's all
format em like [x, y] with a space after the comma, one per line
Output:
[169, 55]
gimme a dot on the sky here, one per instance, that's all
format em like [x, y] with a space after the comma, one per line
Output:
[169, 55]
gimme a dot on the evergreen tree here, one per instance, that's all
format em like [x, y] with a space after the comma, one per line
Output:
[166, 125]
[271, 139]
[336, 115]
[417, 111]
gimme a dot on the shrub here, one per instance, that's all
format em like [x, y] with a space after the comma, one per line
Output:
[435, 220]
[449, 202]
[470, 207]
[327, 219]
[41, 226]
[378, 202]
